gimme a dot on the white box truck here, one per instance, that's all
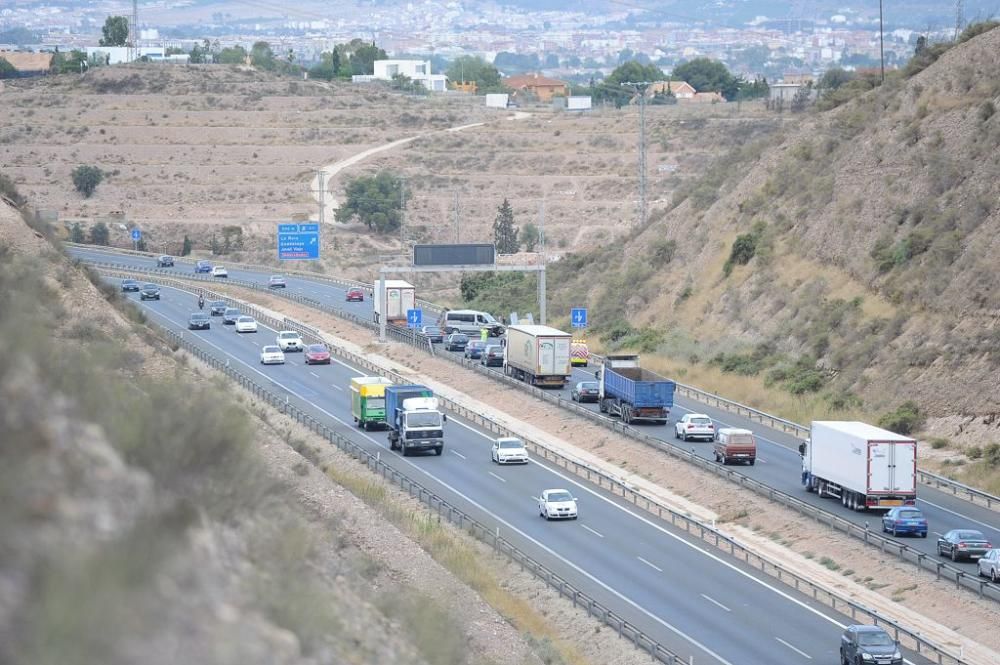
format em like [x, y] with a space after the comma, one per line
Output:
[862, 465]
[538, 355]
[496, 101]
[399, 297]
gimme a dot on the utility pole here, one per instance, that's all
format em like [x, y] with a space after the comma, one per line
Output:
[133, 44]
[641, 87]
[322, 196]
[541, 256]
[958, 19]
[402, 212]
[881, 42]
[456, 217]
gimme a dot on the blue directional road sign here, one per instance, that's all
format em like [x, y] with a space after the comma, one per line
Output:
[414, 318]
[298, 242]
[578, 315]
[136, 234]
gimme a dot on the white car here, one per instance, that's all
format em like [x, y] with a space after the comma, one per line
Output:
[220, 271]
[289, 340]
[246, 324]
[557, 504]
[694, 426]
[508, 450]
[271, 355]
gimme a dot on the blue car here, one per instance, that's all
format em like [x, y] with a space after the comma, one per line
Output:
[905, 519]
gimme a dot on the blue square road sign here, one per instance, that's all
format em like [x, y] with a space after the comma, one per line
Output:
[298, 241]
[578, 316]
[414, 318]
[136, 234]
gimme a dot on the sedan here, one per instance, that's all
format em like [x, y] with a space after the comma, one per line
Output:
[694, 426]
[963, 544]
[271, 355]
[130, 285]
[989, 565]
[456, 342]
[203, 266]
[149, 292]
[165, 262]
[289, 340]
[492, 356]
[557, 504]
[905, 519]
[217, 307]
[508, 450]
[585, 391]
[317, 354]
[230, 315]
[474, 349]
[864, 643]
[433, 333]
[276, 282]
[220, 271]
[246, 324]
[355, 295]
[199, 321]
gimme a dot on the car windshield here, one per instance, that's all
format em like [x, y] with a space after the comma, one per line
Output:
[199, 316]
[232, 311]
[149, 286]
[969, 535]
[130, 282]
[874, 639]
[511, 443]
[493, 348]
[560, 496]
[911, 515]
[423, 419]
[477, 344]
[271, 349]
[459, 338]
[288, 335]
[245, 319]
[431, 329]
[701, 421]
[317, 348]
[587, 385]
[277, 278]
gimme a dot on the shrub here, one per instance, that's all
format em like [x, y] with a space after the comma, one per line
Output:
[9, 191]
[906, 419]
[744, 248]
[662, 252]
[86, 179]
[974, 452]
[986, 110]
[937, 443]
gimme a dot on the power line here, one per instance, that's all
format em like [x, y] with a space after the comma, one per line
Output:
[641, 87]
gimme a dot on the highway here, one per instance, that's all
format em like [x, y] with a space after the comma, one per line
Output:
[692, 598]
[778, 463]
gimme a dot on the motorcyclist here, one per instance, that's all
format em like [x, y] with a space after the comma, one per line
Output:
[201, 301]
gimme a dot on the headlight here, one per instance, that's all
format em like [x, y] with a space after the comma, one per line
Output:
[867, 656]
[897, 656]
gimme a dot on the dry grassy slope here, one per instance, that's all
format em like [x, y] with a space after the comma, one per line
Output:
[912, 162]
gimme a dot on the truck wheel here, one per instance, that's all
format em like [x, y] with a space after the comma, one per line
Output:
[752, 461]
[437, 451]
[406, 451]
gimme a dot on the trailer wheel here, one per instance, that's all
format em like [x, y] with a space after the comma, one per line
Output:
[437, 451]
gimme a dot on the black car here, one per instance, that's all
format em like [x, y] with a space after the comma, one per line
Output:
[869, 645]
[456, 342]
[217, 307]
[149, 292]
[230, 315]
[492, 356]
[165, 262]
[585, 391]
[433, 333]
[130, 285]
[199, 321]
[963, 544]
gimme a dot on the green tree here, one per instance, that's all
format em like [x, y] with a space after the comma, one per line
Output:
[186, 247]
[86, 179]
[363, 59]
[99, 234]
[262, 56]
[707, 75]
[72, 64]
[377, 201]
[115, 31]
[835, 77]
[504, 231]
[197, 55]
[7, 70]
[611, 89]
[328, 66]
[233, 55]
[474, 68]
[530, 237]
[76, 234]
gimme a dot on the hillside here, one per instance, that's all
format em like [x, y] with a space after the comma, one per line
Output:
[853, 257]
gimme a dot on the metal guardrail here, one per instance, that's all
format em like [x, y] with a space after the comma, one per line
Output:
[707, 533]
[902, 551]
[971, 494]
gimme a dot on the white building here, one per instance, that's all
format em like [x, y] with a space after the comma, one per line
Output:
[116, 55]
[415, 70]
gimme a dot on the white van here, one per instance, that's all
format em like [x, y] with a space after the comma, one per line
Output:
[470, 322]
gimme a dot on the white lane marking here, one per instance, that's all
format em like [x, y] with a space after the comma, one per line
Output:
[798, 651]
[292, 362]
[938, 534]
[651, 565]
[762, 460]
[599, 535]
[455, 452]
[715, 602]
[334, 385]
[502, 480]
[535, 498]
[982, 524]
[314, 374]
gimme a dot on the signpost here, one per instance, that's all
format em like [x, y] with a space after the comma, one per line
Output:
[298, 242]
[414, 319]
[578, 316]
[136, 237]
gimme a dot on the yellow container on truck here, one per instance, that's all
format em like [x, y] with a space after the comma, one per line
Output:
[368, 400]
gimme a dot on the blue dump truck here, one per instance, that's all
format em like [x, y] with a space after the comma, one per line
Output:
[414, 420]
[633, 393]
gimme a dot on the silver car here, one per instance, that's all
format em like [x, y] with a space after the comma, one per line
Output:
[989, 565]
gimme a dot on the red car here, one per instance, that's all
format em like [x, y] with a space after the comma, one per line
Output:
[317, 354]
[355, 295]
